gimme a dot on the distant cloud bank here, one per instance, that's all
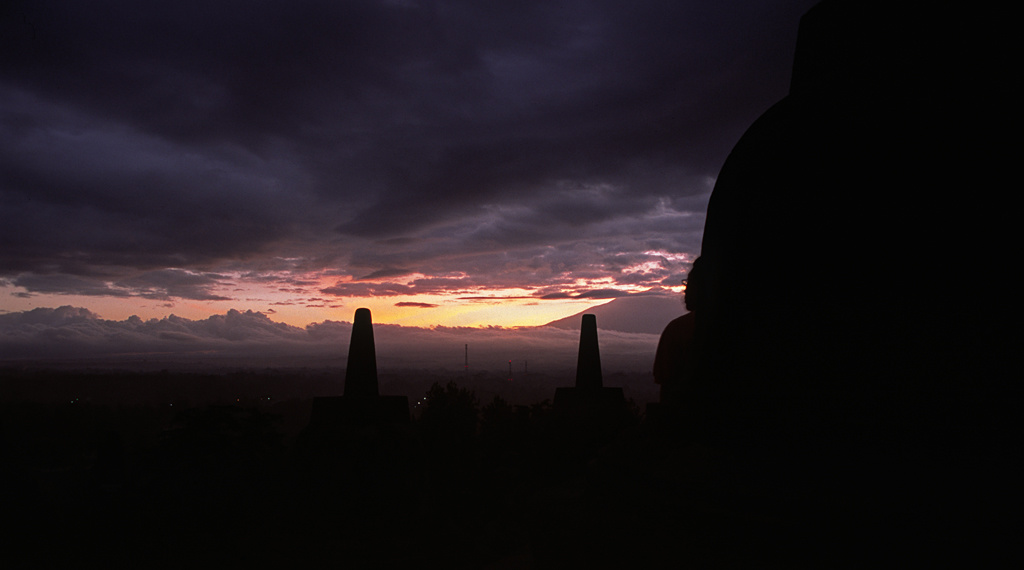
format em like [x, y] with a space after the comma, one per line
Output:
[69, 334]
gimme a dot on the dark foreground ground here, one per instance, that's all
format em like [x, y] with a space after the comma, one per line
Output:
[467, 484]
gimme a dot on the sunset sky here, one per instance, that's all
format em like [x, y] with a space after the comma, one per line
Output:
[443, 163]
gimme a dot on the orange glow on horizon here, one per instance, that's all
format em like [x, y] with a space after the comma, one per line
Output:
[301, 300]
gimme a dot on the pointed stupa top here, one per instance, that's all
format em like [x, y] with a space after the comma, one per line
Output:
[588, 365]
[361, 373]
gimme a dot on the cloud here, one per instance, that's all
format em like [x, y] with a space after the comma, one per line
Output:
[602, 294]
[159, 284]
[556, 295]
[153, 150]
[167, 283]
[415, 304]
[74, 333]
[589, 294]
[248, 338]
[362, 289]
[384, 273]
[68, 284]
[48, 317]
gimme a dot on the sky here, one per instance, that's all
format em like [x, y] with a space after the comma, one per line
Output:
[446, 164]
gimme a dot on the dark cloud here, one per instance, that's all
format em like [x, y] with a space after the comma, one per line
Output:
[494, 299]
[601, 294]
[146, 149]
[384, 273]
[556, 295]
[362, 289]
[674, 280]
[49, 317]
[168, 283]
[70, 284]
[415, 304]
[160, 284]
[588, 294]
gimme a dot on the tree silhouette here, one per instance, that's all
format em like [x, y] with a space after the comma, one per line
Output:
[449, 419]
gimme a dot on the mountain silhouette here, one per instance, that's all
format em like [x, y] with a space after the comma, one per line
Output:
[634, 314]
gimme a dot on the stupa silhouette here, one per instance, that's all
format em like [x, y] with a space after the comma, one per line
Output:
[357, 460]
[841, 382]
[361, 402]
[589, 398]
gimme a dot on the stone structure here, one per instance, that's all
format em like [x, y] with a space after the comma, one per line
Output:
[361, 403]
[589, 399]
[855, 348]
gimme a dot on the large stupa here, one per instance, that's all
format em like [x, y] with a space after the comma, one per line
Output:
[855, 338]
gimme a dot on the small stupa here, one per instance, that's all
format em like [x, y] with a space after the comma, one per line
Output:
[589, 398]
[361, 402]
